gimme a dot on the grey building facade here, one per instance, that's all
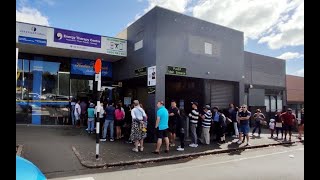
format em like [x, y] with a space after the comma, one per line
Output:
[218, 70]
[195, 60]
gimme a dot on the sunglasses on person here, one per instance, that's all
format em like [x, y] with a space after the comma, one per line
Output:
[243, 107]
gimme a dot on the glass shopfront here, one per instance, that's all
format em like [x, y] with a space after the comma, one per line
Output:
[42, 92]
[45, 87]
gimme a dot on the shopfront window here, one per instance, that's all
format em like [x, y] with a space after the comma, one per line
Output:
[273, 104]
[267, 103]
[279, 103]
[43, 91]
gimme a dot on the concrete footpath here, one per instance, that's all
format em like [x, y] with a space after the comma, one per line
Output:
[62, 149]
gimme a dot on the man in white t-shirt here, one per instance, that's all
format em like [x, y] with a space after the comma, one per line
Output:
[77, 112]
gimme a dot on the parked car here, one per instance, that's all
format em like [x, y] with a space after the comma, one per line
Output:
[27, 170]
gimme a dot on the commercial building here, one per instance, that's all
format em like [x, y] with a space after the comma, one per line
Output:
[295, 93]
[164, 55]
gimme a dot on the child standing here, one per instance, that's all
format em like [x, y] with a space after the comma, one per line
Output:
[271, 126]
[91, 118]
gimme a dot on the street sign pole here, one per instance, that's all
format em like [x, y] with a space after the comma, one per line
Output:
[97, 69]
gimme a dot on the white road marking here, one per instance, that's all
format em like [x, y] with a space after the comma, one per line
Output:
[223, 162]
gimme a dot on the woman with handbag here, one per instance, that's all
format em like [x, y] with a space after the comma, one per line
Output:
[258, 118]
[137, 134]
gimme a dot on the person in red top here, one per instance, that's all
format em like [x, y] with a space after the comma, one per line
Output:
[288, 120]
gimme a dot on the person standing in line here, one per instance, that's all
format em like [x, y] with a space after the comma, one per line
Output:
[222, 127]
[206, 125]
[301, 124]
[194, 117]
[279, 124]
[258, 118]
[288, 119]
[137, 135]
[73, 104]
[215, 123]
[109, 122]
[173, 118]
[233, 116]
[162, 127]
[91, 118]
[244, 117]
[119, 120]
[127, 124]
[83, 114]
[181, 129]
[77, 113]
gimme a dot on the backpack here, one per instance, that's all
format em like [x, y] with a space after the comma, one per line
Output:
[119, 114]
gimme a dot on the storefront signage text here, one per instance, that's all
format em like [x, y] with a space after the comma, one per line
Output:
[177, 71]
[141, 71]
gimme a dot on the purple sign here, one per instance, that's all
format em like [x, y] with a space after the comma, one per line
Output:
[77, 38]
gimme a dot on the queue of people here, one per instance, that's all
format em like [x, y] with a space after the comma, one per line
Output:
[204, 123]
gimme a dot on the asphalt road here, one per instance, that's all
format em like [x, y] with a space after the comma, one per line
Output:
[279, 162]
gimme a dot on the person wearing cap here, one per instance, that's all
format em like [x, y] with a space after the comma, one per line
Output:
[288, 120]
[206, 125]
[162, 127]
[244, 117]
[194, 117]
[90, 118]
[137, 135]
[174, 116]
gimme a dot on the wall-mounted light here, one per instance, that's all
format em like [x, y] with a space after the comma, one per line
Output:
[208, 72]
[251, 86]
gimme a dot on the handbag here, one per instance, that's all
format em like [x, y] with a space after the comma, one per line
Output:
[278, 124]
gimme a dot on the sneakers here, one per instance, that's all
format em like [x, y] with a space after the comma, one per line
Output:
[248, 144]
[180, 149]
[235, 136]
[193, 145]
[141, 149]
[239, 142]
[135, 150]
[172, 145]
[111, 140]
[103, 140]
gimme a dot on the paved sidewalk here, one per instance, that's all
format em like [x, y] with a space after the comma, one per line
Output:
[119, 153]
[61, 149]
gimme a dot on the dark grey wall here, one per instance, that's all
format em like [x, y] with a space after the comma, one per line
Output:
[264, 70]
[180, 42]
[143, 29]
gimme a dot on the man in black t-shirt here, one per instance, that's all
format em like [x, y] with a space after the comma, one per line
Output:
[174, 114]
[244, 117]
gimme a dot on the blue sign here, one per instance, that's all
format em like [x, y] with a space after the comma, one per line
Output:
[31, 40]
[77, 38]
[85, 67]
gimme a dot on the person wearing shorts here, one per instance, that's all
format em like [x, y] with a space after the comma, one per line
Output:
[162, 127]
[288, 120]
[244, 117]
